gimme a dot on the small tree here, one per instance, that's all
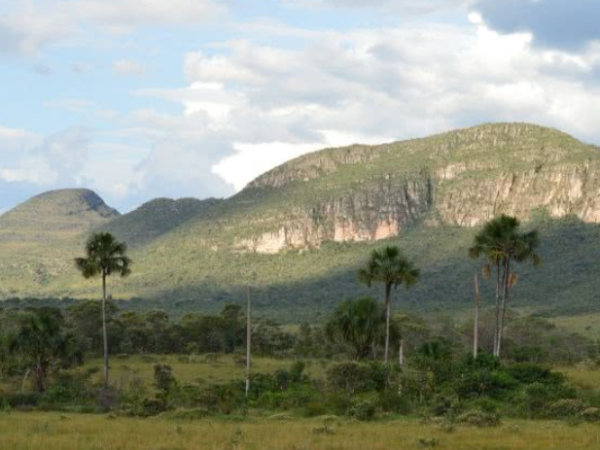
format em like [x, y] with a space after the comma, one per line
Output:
[105, 256]
[42, 343]
[357, 324]
[391, 268]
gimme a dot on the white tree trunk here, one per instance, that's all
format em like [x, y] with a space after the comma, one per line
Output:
[476, 320]
[248, 341]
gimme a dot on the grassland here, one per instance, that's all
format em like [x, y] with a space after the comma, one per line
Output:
[48, 431]
[195, 368]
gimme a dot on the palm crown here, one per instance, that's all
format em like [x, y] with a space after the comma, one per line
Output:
[104, 256]
[389, 266]
[500, 240]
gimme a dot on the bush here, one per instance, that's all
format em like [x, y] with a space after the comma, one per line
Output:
[67, 388]
[566, 408]
[591, 414]
[393, 402]
[353, 377]
[483, 382]
[314, 408]
[443, 404]
[479, 418]
[527, 373]
[363, 409]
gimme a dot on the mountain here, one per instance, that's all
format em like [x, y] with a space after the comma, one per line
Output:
[55, 215]
[298, 232]
[155, 218]
[39, 237]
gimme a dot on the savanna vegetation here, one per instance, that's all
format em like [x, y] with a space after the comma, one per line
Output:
[424, 380]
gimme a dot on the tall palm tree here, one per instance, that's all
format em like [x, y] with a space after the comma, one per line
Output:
[105, 256]
[486, 243]
[388, 266]
[502, 243]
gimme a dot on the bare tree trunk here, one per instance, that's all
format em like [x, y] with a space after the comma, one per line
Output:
[388, 314]
[25, 377]
[104, 332]
[248, 342]
[401, 353]
[476, 320]
[40, 375]
[504, 303]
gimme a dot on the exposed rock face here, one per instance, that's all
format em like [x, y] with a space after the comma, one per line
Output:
[462, 178]
[559, 190]
[371, 214]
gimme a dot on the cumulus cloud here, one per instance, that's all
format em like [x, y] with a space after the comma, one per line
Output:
[272, 103]
[53, 160]
[399, 6]
[28, 25]
[568, 25]
[129, 68]
[247, 105]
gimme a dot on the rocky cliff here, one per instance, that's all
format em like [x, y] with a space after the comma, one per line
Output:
[460, 178]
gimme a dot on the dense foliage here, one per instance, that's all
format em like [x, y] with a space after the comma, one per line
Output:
[439, 378]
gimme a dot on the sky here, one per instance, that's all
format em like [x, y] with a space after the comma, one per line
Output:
[138, 99]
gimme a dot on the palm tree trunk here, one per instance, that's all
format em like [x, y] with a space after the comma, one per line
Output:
[497, 327]
[104, 332]
[476, 320]
[504, 302]
[388, 314]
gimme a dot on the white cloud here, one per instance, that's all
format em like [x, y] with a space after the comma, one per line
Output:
[28, 25]
[77, 105]
[128, 13]
[128, 67]
[56, 159]
[252, 160]
[12, 140]
[398, 6]
[272, 103]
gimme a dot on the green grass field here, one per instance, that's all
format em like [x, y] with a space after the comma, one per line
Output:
[49, 431]
[195, 368]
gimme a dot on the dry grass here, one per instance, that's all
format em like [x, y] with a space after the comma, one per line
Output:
[25, 431]
[583, 376]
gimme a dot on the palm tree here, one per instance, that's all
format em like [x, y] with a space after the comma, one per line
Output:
[391, 268]
[502, 243]
[357, 324]
[41, 340]
[105, 256]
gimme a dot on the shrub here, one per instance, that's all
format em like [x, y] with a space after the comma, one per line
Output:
[443, 404]
[484, 382]
[353, 377]
[393, 402]
[350, 377]
[527, 373]
[591, 414]
[479, 418]
[314, 408]
[566, 408]
[363, 409]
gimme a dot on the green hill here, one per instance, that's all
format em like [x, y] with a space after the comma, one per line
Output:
[155, 218]
[299, 232]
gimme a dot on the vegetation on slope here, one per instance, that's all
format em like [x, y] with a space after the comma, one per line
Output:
[187, 253]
